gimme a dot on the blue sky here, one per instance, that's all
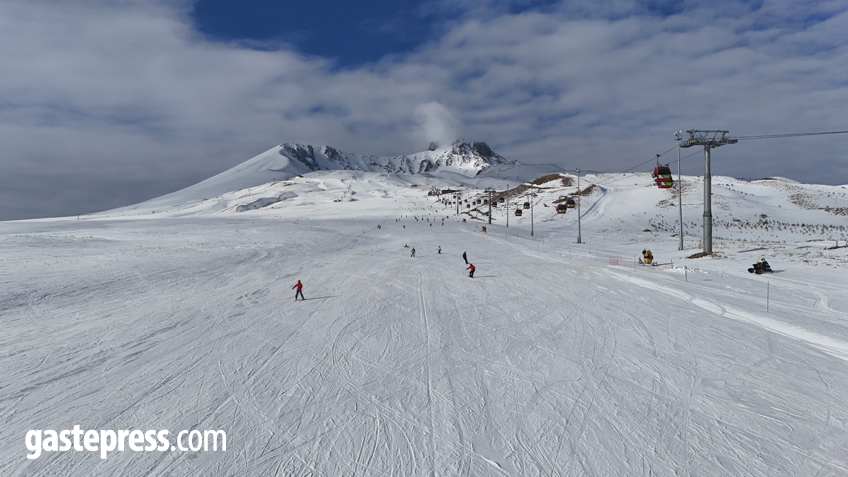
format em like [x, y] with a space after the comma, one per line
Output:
[348, 33]
[351, 33]
[105, 103]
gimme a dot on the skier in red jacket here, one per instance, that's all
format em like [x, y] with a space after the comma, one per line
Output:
[471, 273]
[299, 287]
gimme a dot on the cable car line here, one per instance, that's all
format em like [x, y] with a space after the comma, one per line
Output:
[774, 136]
[615, 179]
[656, 157]
[623, 175]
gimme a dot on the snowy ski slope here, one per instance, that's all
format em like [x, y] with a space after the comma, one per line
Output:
[556, 359]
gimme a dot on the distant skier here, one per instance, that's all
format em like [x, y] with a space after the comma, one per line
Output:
[299, 287]
[465, 257]
[471, 267]
[440, 249]
[413, 252]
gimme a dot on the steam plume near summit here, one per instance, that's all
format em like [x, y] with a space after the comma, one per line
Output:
[436, 123]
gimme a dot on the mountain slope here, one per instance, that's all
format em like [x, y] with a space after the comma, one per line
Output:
[463, 163]
[557, 358]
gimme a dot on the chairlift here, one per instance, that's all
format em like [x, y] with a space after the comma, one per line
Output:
[562, 208]
[570, 203]
[527, 205]
[518, 212]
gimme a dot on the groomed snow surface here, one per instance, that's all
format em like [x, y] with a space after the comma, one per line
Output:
[557, 358]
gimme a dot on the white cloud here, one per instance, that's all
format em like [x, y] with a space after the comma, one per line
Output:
[436, 123]
[129, 94]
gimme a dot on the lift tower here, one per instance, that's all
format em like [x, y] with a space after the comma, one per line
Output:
[490, 191]
[579, 240]
[708, 139]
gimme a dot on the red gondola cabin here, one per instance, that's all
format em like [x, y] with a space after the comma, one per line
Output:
[662, 174]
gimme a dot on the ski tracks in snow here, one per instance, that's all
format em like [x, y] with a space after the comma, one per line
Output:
[832, 346]
[542, 365]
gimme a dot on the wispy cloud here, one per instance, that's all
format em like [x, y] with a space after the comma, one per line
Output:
[436, 123]
[127, 96]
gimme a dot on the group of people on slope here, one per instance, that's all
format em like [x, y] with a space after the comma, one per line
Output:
[471, 266]
[299, 286]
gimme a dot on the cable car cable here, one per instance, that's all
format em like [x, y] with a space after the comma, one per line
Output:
[615, 178]
[774, 136]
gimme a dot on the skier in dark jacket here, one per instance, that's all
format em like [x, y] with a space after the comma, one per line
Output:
[464, 257]
[472, 268]
[299, 287]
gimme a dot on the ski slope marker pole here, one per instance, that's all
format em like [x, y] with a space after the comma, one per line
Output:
[767, 296]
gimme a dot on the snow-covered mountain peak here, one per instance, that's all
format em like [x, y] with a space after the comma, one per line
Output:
[477, 156]
[465, 164]
[465, 158]
[479, 150]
